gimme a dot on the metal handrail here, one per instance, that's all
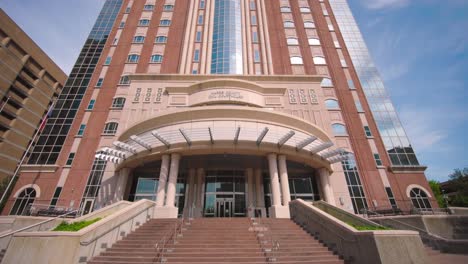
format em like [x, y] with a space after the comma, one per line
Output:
[275, 245]
[166, 239]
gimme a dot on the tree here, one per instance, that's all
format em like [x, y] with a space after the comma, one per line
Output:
[435, 186]
[459, 180]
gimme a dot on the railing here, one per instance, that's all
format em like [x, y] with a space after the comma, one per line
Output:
[48, 210]
[172, 234]
[269, 245]
[38, 225]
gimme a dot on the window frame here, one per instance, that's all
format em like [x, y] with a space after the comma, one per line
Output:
[110, 129]
[152, 60]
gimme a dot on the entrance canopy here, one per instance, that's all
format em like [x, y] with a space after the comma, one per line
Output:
[224, 129]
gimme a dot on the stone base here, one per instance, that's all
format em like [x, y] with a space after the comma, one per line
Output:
[165, 212]
[279, 212]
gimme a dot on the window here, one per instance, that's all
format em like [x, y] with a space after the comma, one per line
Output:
[133, 58]
[168, 7]
[253, 20]
[165, 23]
[127, 10]
[309, 24]
[326, 82]
[339, 130]
[330, 27]
[200, 20]
[331, 104]
[124, 80]
[23, 202]
[148, 7]
[367, 131]
[337, 44]
[122, 24]
[138, 39]
[254, 37]
[343, 63]
[161, 39]
[252, 5]
[116, 40]
[70, 158]
[354, 185]
[156, 58]
[144, 22]
[351, 85]
[292, 41]
[288, 24]
[99, 82]
[420, 199]
[108, 60]
[377, 159]
[319, 60]
[286, 9]
[314, 41]
[118, 103]
[256, 56]
[391, 197]
[54, 200]
[296, 60]
[305, 10]
[194, 71]
[110, 128]
[198, 36]
[91, 104]
[196, 55]
[359, 106]
[81, 130]
[202, 4]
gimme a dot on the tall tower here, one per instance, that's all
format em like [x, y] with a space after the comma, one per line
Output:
[224, 108]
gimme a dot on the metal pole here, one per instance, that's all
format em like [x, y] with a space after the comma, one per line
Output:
[24, 155]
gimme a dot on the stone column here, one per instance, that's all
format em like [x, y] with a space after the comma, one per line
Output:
[260, 197]
[274, 181]
[250, 192]
[199, 193]
[191, 192]
[327, 189]
[161, 193]
[283, 171]
[171, 185]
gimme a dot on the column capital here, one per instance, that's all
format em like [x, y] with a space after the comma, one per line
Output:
[272, 155]
[175, 156]
[281, 157]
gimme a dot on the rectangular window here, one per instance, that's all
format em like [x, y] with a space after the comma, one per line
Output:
[168, 7]
[196, 56]
[127, 10]
[359, 106]
[195, 72]
[253, 20]
[108, 60]
[71, 156]
[368, 132]
[351, 85]
[99, 82]
[81, 130]
[343, 63]
[54, 200]
[254, 37]
[122, 24]
[377, 159]
[198, 36]
[148, 7]
[116, 40]
[256, 56]
[252, 5]
[91, 104]
[202, 4]
[200, 20]
[391, 197]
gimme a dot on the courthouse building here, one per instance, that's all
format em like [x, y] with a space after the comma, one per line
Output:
[223, 108]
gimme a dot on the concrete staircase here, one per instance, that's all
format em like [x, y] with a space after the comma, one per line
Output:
[220, 240]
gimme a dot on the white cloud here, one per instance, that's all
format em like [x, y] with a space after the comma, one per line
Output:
[382, 4]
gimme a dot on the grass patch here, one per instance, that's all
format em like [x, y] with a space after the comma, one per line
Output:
[64, 226]
[368, 227]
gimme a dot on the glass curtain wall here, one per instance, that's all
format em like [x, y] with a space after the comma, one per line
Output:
[226, 56]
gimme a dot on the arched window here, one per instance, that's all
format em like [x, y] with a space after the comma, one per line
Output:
[420, 199]
[326, 82]
[143, 22]
[138, 39]
[319, 60]
[331, 104]
[118, 103]
[156, 58]
[339, 130]
[165, 22]
[288, 24]
[148, 7]
[314, 42]
[23, 202]
[161, 39]
[133, 58]
[296, 60]
[285, 9]
[305, 10]
[168, 7]
[309, 24]
[292, 41]
[110, 128]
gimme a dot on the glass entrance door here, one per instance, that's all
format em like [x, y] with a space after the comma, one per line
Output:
[224, 207]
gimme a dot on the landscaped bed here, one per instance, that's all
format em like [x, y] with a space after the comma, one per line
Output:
[368, 227]
[73, 227]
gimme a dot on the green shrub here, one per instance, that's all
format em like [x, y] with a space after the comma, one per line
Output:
[64, 226]
[368, 227]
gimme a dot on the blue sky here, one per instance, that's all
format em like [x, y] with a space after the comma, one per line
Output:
[419, 46]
